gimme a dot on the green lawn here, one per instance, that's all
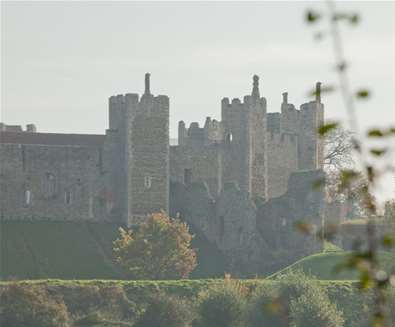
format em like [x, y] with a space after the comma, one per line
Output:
[32, 250]
[322, 265]
[70, 250]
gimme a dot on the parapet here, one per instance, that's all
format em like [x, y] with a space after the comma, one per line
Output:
[30, 128]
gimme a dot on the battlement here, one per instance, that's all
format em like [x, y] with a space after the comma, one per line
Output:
[211, 132]
[30, 128]
[124, 107]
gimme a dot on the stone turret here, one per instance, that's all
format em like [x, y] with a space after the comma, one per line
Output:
[244, 126]
[143, 149]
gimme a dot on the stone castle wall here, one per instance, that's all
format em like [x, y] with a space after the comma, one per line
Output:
[282, 161]
[52, 182]
[125, 174]
[258, 151]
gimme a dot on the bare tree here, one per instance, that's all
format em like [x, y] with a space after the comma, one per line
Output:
[338, 150]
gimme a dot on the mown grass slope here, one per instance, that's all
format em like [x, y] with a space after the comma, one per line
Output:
[31, 250]
[323, 265]
[70, 250]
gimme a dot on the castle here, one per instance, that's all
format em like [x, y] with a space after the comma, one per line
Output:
[125, 174]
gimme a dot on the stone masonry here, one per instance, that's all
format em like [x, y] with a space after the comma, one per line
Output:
[125, 174]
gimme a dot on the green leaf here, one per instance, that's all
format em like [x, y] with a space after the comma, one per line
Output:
[346, 177]
[363, 94]
[312, 16]
[354, 19]
[378, 152]
[324, 89]
[375, 133]
[388, 241]
[319, 183]
[304, 227]
[324, 129]
[364, 280]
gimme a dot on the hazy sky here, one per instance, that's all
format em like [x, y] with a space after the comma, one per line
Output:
[60, 61]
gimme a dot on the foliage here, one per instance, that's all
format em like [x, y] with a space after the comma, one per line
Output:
[123, 302]
[24, 305]
[164, 310]
[222, 305]
[159, 249]
[296, 300]
[372, 161]
[313, 309]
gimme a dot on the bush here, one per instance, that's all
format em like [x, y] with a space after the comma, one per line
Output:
[222, 305]
[313, 309]
[265, 308]
[166, 311]
[27, 305]
[294, 300]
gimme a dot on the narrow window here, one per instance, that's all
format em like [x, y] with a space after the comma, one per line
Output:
[67, 197]
[28, 197]
[147, 182]
[229, 138]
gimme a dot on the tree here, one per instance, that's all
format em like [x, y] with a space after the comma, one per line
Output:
[159, 249]
[338, 150]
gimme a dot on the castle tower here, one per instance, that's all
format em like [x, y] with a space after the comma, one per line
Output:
[244, 126]
[142, 145]
[311, 147]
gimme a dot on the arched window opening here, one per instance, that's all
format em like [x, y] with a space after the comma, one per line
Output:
[28, 197]
[229, 138]
[147, 182]
[67, 197]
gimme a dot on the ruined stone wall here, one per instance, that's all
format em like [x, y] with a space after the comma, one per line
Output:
[203, 164]
[52, 182]
[282, 161]
[212, 132]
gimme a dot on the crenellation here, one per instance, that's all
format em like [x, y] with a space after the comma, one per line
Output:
[124, 175]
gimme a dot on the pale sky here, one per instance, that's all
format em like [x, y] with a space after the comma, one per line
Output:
[60, 61]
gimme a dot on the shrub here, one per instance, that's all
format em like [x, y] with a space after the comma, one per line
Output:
[265, 308]
[313, 309]
[166, 311]
[27, 305]
[293, 300]
[222, 305]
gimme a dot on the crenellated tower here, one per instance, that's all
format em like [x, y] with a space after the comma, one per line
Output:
[139, 129]
[244, 126]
